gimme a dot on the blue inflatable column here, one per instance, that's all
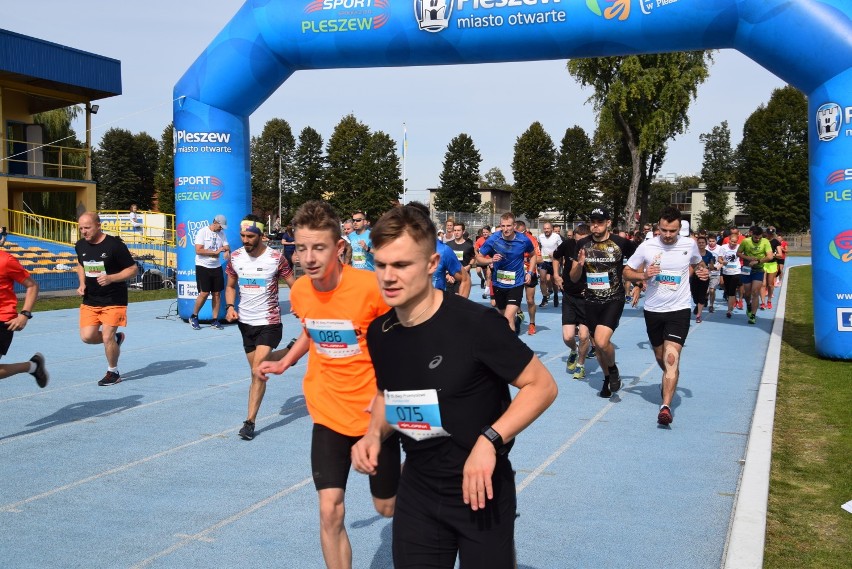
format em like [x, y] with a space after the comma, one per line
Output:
[212, 177]
[830, 145]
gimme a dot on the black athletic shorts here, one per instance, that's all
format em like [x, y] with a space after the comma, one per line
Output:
[698, 289]
[607, 314]
[209, 280]
[6, 336]
[546, 266]
[732, 283]
[667, 326]
[253, 336]
[331, 460]
[573, 310]
[432, 524]
[505, 296]
[533, 280]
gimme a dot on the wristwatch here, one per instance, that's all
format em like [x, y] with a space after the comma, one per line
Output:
[27, 313]
[495, 439]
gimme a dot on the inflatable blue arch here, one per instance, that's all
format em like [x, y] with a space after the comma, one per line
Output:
[807, 43]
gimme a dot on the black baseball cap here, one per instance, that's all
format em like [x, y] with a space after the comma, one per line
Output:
[599, 213]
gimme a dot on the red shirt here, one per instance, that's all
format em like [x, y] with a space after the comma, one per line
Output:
[11, 272]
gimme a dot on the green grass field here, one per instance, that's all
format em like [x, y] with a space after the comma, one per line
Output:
[811, 447]
[73, 301]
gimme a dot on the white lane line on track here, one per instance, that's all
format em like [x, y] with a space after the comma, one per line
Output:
[43, 392]
[203, 535]
[15, 438]
[15, 506]
[575, 437]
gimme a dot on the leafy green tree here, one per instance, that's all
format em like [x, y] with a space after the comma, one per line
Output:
[125, 166]
[574, 176]
[459, 188]
[164, 178]
[772, 165]
[272, 154]
[717, 172]
[647, 98]
[534, 168]
[613, 174]
[343, 184]
[308, 168]
[494, 179]
[378, 171]
[59, 139]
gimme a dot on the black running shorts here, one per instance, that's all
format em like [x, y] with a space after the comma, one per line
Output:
[253, 336]
[331, 460]
[732, 283]
[573, 310]
[506, 296]
[606, 314]
[209, 280]
[6, 336]
[432, 524]
[667, 326]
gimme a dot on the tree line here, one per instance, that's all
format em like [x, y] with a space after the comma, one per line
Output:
[641, 103]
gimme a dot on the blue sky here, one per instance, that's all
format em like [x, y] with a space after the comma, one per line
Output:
[156, 41]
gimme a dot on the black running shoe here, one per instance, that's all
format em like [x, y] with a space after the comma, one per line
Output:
[40, 374]
[111, 378]
[555, 300]
[119, 338]
[591, 353]
[614, 379]
[544, 302]
[605, 392]
[247, 432]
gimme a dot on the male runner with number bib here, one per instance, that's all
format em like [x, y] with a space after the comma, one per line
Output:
[336, 304]
[448, 394]
[255, 270]
[600, 260]
[666, 262]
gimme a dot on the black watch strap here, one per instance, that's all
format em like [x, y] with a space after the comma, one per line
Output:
[494, 437]
[27, 313]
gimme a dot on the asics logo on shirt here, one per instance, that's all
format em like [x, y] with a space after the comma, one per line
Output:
[436, 361]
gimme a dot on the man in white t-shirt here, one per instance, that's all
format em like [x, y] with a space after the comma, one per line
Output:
[210, 242]
[666, 263]
[255, 270]
[548, 242]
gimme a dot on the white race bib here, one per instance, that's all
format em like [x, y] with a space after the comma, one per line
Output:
[333, 338]
[597, 281]
[94, 268]
[669, 279]
[506, 277]
[415, 413]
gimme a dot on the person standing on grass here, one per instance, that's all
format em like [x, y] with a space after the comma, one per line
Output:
[104, 265]
[12, 321]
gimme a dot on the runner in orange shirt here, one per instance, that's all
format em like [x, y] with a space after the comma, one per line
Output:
[12, 321]
[336, 304]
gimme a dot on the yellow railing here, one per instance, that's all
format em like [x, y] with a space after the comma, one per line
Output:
[157, 229]
[47, 228]
[44, 160]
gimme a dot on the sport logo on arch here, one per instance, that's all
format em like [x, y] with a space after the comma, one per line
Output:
[830, 118]
[619, 9]
[198, 188]
[433, 15]
[841, 246]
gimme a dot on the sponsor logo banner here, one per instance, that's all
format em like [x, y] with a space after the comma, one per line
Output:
[844, 319]
[198, 188]
[340, 16]
[437, 15]
[830, 120]
[841, 246]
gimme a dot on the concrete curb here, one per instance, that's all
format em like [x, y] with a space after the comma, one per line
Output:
[747, 532]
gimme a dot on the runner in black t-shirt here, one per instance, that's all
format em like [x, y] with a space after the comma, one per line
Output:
[463, 248]
[448, 395]
[600, 260]
[103, 266]
[573, 303]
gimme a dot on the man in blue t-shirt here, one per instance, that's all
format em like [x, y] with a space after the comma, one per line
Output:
[505, 251]
[362, 245]
[449, 265]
